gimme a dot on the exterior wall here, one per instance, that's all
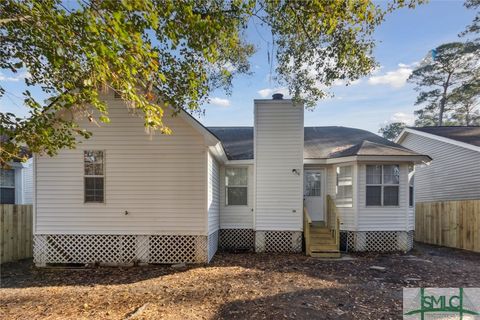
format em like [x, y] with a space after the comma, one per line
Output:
[278, 140]
[237, 217]
[27, 176]
[213, 194]
[161, 180]
[452, 175]
[384, 218]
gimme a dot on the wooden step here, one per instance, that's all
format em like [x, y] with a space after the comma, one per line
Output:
[326, 254]
[320, 231]
[323, 247]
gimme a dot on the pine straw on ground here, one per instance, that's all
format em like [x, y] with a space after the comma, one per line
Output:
[235, 286]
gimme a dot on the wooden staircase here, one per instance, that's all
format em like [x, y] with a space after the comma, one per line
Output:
[322, 240]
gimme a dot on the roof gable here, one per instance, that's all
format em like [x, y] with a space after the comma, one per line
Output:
[466, 137]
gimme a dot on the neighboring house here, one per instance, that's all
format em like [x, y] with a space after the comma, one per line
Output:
[455, 172]
[124, 196]
[16, 183]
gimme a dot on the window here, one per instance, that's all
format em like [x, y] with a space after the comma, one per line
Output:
[7, 186]
[383, 185]
[94, 176]
[236, 184]
[313, 184]
[344, 196]
[411, 182]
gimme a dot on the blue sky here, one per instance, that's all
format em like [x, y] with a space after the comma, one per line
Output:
[404, 38]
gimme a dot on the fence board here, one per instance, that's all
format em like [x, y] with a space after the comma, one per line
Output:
[15, 232]
[449, 223]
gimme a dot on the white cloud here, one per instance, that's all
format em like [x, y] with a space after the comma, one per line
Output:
[406, 118]
[267, 92]
[396, 78]
[15, 77]
[220, 102]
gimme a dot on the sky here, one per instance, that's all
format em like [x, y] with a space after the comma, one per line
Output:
[405, 38]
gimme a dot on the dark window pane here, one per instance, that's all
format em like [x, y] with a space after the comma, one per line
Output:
[374, 196]
[7, 195]
[391, 174]
[374, 174]
[236, 196]
[390, 196]
[7, 178]
[410, 199]
[94, 189]
[93, 161]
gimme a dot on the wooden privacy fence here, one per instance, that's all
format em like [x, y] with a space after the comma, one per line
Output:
[449, 223]
[15, 232]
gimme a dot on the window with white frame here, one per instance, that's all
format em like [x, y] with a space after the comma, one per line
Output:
[94, 175]
[236, 186]
[344, 197]
[411, 182]
[7, 186]
[382, 187]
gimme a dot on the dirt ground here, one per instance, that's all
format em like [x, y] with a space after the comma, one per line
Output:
[235, 286]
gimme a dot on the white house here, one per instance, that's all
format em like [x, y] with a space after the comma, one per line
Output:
[455, 172]
[124, 196]
[16, 183]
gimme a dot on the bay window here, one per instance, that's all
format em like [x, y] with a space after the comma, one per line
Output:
[344, 197]
[236, 186]
[382, 187]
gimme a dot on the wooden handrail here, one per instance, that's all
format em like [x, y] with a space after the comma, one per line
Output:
[333, 220]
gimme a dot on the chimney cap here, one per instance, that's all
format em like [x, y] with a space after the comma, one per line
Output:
[277, 96]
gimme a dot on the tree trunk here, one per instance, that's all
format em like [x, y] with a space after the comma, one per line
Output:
[443, 101]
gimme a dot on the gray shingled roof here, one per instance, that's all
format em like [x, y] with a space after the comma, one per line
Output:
[319, 143]
[470, 135]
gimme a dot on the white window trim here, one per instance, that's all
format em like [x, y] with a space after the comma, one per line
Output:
[94, 176]
[236, 186]
[411, 185]
[382, 185]
[15, 187]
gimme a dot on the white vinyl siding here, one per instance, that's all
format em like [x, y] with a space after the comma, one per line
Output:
[237, 217]
[213, 194]
[27, 175]
[453, 174]
[278, 139]
[160, 180]
[387, 218]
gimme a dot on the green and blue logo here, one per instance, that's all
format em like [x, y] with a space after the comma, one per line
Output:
[436, 303]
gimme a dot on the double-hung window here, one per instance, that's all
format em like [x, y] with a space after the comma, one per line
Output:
[236, 185]
[94, 175]
[344, 196]
[382, 187]
[411, 182]
[7, 186]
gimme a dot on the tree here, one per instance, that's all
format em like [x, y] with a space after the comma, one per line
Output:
[392, 130]
[465, 101]
[167, 53]
[473, 28]
[450, 66]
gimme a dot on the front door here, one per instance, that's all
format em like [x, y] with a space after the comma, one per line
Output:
[313, 194]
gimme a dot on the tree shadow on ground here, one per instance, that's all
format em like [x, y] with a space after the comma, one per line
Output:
[425, 263]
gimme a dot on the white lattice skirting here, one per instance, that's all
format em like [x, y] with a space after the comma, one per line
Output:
[278, 241]
[377, 241]
[237, 239]
[123, 249]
